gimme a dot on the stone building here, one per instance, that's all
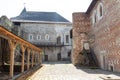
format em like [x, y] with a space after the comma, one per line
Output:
[99, 27]
[47, 30]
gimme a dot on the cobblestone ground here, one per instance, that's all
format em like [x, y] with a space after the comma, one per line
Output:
[66, 71]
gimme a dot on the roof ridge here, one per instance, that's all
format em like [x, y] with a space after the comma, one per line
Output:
[42, 11]
[40, 16]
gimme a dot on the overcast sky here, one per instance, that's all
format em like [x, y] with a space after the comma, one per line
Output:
[12, 8]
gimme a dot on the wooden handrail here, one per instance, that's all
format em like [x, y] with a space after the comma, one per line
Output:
[17, 39]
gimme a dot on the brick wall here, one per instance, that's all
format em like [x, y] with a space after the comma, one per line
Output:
[107, 39]
[103, 36]
[81, 26]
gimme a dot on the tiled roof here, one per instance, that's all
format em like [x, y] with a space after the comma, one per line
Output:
[40, 16]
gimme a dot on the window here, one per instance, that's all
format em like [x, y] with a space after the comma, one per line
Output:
[69, 53]
[71, 33]
[17, 23]
[38, 37]
[46, 57]
[46, 37]
[30, 37]
[58, 40]
[95, 17]
[67, 38]
[101, 11]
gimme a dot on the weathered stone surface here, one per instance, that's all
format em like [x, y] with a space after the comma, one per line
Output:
[53, 30]
[103, 34]
[81, 25]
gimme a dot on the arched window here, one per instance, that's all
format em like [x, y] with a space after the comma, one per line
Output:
[95, 17]
[58, 40]
[46, 37]
[101, 10]
[67, 38]
[38, 37]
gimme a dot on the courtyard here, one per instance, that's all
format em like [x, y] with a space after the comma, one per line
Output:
[67, 71]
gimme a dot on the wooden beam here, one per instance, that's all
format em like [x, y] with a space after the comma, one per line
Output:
[28, 59]
[32, 58]
[40, 58]
[12, 46]
[23, 56]
[18, 39]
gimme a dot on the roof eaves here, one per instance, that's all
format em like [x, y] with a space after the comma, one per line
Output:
[92, 5]
[39, 21]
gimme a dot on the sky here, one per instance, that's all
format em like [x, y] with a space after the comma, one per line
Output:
[65, 8]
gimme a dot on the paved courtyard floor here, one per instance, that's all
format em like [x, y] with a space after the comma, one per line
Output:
[67, 71]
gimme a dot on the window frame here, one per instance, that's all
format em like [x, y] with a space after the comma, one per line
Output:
[100, 10]
[31, 37]
[38, 37]
[67, 38]
[47, 37]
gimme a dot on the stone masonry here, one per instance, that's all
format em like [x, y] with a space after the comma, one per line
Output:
[81, 27]
[47, 30]
[104, 33]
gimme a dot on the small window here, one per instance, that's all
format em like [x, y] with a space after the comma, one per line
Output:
[67, 38]
[30, 37]
[46, 37]
[17, 23]
[46, 57]
[101, 10]
[58, 40]
[38, 37]
[71, 33]
[95, 17]
[69, 53]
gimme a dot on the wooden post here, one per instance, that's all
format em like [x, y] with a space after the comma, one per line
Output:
[32, 58]
[40, 59]
[12, 46]
[23, 55]
[28, 60]
[37, 58]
